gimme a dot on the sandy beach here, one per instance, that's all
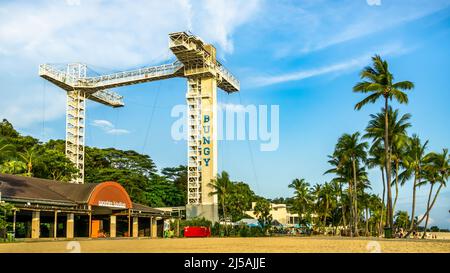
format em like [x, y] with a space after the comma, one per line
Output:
[237, 245]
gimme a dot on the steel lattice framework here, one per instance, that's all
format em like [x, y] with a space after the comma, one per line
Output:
[197, 62]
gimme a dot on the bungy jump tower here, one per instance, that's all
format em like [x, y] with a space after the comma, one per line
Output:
[196, 61]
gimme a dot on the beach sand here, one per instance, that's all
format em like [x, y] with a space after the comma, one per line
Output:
[315, 244]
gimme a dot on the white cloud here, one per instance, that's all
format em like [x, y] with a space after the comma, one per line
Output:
[114, 33]
[316, 25]
[430, 220]
[108, 127]
[340, 67]
[102, 123]
[28, 104]
[108, 35]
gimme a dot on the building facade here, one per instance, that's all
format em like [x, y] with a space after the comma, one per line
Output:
[53, 209]
[280, 213]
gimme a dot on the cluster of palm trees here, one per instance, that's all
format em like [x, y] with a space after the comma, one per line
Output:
[399, 157]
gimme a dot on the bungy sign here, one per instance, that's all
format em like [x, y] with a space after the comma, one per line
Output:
[112, 204]
[206, 139]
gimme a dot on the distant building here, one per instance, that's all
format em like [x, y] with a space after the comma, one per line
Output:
[280, 213]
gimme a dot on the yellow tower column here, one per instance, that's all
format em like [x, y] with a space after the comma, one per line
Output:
[209, 148]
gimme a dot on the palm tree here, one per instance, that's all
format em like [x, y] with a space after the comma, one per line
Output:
[398, 155]
[436, 170]
[6, 148]
[365, 203]
[303, 196]
[325, 197]
[221, 186]
[413, 162]
[352, 150]
[402, 219]
[379, 83]
[28, 157]
[398, 138]
[340, 179]
[377, 159]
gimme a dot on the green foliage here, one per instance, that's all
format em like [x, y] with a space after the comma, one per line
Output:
[239, 200]
[195, 222]
[401, 219]
[5, 210]
[13, 167]
[262, 211]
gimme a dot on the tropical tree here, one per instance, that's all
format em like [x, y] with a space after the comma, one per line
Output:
[379, 82]
[398, 139]
[377, 159]
[351, 149]
[262, 212]
[28, 156]
[13, 167]
[325, 200]
[6, 149]
[341, 172]
[303, 198]
[221, 187]
[436, 171]
[5, 210]
[402, 219]
[413, 162]
[239, 200]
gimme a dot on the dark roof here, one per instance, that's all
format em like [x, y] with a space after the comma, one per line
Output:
[24, 189]
[143, 208]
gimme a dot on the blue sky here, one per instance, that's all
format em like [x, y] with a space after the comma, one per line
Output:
[301, 55]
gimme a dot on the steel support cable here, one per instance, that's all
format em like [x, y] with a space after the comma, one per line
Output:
[44, 91]
[155, 101]
[251, 153]
[149, 124]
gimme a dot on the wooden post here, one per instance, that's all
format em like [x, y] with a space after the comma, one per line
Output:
[35, 224]
[55, 225]
[14, 223]
[90, 224]
[129, 222]
[70, 225]
[112, 226]
[178, 227]
[135, 226]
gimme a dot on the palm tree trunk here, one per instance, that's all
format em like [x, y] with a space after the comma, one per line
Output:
[389, 213]
[396, 185]
[413, 202]
[428, 213]
[351, 218]
[428, 210]
[224, 216]
[355, 198]
[380, 231]
[343, 206]
[367, 222]
[325, 215]
[384, 195]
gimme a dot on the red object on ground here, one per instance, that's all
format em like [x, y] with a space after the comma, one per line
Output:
[197, 232]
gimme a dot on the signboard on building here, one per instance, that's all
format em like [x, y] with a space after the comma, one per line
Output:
[112, 204]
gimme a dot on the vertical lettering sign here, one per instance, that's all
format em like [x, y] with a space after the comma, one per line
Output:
[206, 139]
